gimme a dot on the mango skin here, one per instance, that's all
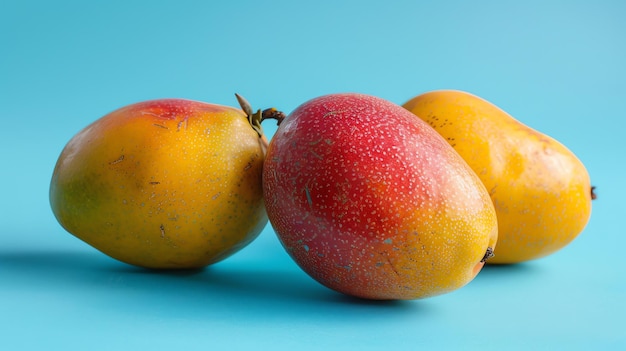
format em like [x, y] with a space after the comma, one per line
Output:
[541, 191]
[163, 184]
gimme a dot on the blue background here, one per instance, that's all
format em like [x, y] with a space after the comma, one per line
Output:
[558, 66]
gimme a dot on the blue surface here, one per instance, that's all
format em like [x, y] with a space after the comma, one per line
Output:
[558, 66]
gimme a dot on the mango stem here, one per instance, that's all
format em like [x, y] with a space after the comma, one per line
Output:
[259, 116]
[489, 254]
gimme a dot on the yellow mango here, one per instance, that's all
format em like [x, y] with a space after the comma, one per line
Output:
[164, 184]
[541, 191]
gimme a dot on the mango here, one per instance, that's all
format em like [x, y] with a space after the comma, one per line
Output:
[164, 184]
[540, 190]
[371, 202]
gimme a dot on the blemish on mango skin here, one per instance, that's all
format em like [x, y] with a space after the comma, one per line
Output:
[118, 160]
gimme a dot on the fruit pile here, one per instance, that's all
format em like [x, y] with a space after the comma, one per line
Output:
[369, 198]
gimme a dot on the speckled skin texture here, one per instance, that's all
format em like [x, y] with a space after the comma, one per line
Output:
[372, 202]
[541, 191]
[163, 184]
